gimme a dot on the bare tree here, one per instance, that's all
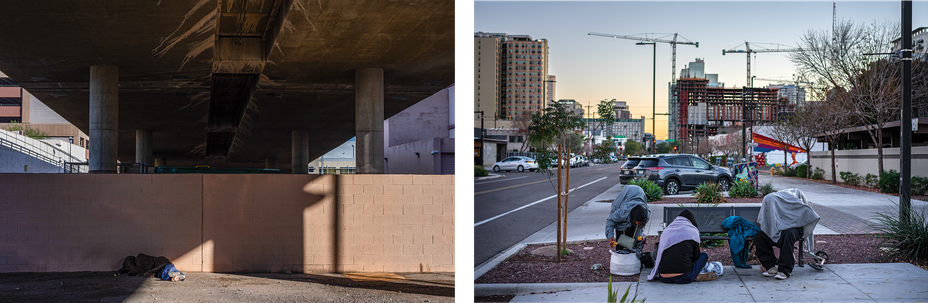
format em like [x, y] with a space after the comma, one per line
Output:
[780, 132]
[803, 126]
[873, 100]
[834, 121]
[831, 59]
[731, 144]
[521, 124]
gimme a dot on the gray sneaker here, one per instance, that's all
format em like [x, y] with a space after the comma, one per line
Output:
[782, 275]
[771, 272]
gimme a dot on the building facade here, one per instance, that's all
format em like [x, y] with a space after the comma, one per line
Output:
[487, 81]
[516, 66]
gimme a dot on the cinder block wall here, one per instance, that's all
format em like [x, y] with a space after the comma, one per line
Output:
[228, 223]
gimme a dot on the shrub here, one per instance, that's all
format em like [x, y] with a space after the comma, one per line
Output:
[850, 178]
[712, 243]
[904, 239]
[709, 192]
[742, 189]
[871, 180]
[479, 171]
[766, 188]
[651, 189]
[889, 181]
[789, 172]
[818, 174]
[801, 171]
[919, 186]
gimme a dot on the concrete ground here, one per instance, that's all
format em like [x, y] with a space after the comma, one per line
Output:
[843, 211]
[220, 287]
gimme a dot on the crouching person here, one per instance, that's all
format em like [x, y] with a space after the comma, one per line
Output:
[785, 217]
[679, 259]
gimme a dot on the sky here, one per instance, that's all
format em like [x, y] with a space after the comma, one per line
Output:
[592, 68]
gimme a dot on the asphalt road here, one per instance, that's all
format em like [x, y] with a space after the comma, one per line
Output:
[502, 217]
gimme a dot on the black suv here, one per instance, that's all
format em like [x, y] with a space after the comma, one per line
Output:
[676, 172]
[627, 172]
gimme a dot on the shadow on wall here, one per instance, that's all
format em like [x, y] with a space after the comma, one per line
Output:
[227, 223]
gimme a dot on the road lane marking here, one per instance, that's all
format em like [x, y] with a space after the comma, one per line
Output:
[500, 180]
[508, 187]
[533, 203]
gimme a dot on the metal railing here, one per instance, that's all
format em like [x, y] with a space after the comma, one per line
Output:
[40, 150]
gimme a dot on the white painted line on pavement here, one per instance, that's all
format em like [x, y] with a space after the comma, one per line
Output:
[530, 204]
[500, 180]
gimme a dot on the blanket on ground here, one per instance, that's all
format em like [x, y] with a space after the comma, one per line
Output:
[143, 265]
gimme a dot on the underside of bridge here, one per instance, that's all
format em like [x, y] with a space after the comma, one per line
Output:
[226, 82]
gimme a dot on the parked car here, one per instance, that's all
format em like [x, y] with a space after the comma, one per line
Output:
[578, 161]
[518, 163]
[627, 171]
[677, 172]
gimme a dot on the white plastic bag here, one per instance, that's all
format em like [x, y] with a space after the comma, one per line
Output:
[712, 266]
[624, 264]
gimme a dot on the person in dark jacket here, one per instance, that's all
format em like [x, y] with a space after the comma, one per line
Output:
[150, 266]
[679, 259]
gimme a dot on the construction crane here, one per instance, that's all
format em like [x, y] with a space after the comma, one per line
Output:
[747, 50]
[673, 44]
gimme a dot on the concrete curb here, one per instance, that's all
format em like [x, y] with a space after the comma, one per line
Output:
[483, 290]
[483, 268]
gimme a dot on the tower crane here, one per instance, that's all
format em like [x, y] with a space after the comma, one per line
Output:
[747, 50]
[673, 44]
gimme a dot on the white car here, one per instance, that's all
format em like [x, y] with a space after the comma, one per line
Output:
[516, 163]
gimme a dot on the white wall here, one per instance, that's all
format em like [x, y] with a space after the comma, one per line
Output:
[864, 161]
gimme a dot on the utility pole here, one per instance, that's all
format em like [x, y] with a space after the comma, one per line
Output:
[905, 147]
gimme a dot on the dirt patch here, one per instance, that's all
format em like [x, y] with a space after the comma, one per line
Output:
[524, 267]
[217, 287]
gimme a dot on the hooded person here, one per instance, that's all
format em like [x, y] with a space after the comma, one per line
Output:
[629, 213]
[679, 259]
[784, 215]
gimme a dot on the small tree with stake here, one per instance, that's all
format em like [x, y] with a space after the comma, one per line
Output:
[548, 136]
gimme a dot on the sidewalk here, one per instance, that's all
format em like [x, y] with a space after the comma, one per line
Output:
[843, 211]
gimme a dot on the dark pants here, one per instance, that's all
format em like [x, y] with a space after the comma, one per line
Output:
[690, 276]
[765, 249]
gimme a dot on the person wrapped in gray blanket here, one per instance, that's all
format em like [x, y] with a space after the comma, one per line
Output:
[629, 214]
[782, 216]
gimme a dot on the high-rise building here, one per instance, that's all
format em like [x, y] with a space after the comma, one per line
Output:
[571, 105]
[518, 73]
[621, 110]
[487, 76]
[552, 91]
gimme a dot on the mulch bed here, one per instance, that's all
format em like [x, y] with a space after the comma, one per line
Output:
[692, 200]
[576, 268]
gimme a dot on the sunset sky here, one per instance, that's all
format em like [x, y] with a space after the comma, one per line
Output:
[591, 68]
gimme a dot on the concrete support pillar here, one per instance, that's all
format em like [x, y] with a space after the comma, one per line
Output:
[271, 163]
[104, 117]
[161, 162]
[368, 104]
[143, 149]
[299, 152]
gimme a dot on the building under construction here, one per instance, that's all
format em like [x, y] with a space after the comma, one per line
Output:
[699, 109]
